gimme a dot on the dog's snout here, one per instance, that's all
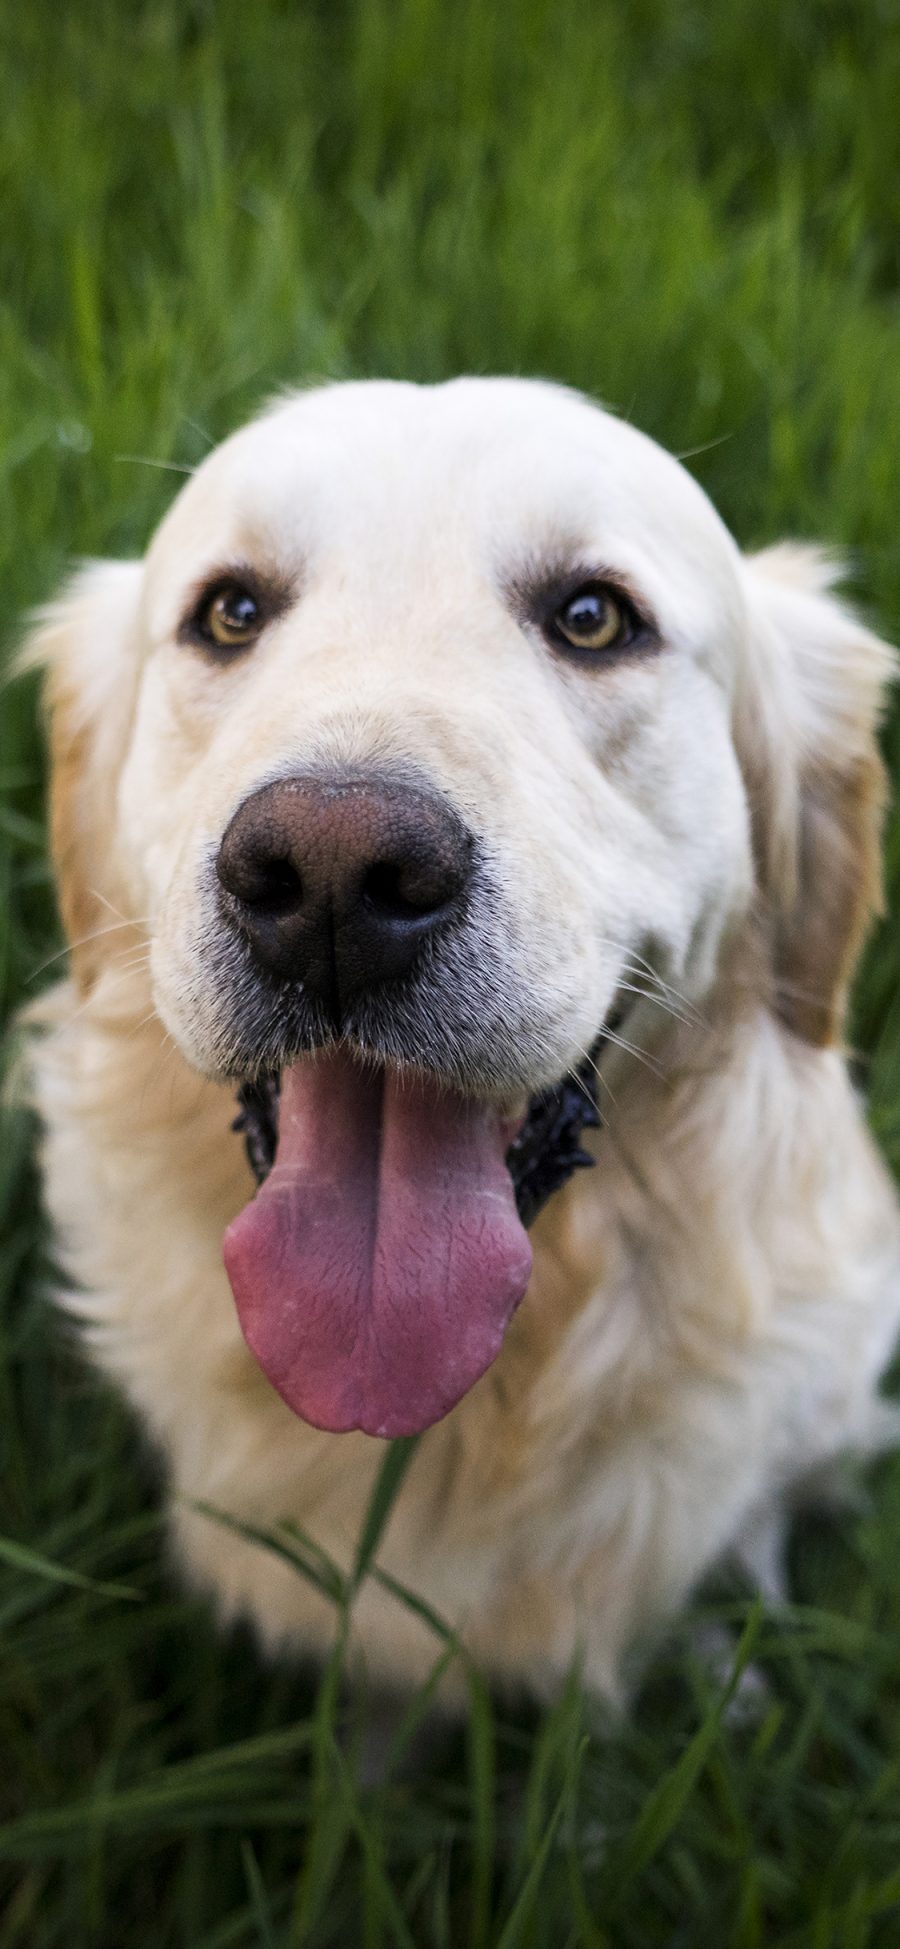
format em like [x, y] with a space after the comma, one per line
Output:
[336, 882]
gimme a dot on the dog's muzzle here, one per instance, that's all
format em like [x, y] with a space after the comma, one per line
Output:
[340, 880]
[378, 1267]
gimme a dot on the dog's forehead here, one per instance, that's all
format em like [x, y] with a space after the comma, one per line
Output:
[500, 467]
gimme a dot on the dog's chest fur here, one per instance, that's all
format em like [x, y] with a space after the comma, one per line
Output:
[690, 1351]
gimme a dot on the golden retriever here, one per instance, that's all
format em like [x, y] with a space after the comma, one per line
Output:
[445, 747]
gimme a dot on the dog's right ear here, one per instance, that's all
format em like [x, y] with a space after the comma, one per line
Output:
[809, 699]
[85, 644]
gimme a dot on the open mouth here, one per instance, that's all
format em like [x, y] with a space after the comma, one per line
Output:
[378, 1266]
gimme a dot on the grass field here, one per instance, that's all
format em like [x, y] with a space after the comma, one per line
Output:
[692, 213]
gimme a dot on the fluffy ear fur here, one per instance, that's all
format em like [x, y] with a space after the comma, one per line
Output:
[805, 727]
[83, 642]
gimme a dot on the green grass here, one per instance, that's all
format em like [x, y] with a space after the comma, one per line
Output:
[691, 212]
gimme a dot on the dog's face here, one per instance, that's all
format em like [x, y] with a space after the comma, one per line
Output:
[407, 562]
[426, 710]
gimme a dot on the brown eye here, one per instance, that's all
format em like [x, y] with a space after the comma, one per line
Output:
[591, 619]
[231, 617]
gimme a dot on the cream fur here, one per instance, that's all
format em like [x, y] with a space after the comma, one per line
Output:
[712, 1307]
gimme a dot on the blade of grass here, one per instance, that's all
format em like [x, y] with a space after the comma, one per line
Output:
[524, 1905]
[290, 1543]
[553, 1740]
[20, 1557]
[387, 1487]
[664, 1806]
[330, 1823]
[588, 1933]
[417, 1710]
[418, 1606]
[258, 1902]
[382, 1899]
[482, 1773]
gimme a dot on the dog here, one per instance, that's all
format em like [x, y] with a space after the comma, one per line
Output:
[444, 753]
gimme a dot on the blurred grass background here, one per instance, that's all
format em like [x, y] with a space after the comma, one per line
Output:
[693, 214]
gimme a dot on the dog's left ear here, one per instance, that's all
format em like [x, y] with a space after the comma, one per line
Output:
[809, 697]
[84, 644]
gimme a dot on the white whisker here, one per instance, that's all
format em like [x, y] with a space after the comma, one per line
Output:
[84, 940]
[640, 1055]
[586, 1056]
[637, 964]
[195, 427]
[146, 460]
[97, 895]
[647, 995]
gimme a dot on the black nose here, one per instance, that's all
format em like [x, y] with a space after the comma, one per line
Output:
[337, 881]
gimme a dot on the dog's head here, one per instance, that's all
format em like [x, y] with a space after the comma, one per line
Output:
[435, 724]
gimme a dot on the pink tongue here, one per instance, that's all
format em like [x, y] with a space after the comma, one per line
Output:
[378, 1266]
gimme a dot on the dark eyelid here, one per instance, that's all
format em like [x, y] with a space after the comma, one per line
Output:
[536, 592]
[272, 593]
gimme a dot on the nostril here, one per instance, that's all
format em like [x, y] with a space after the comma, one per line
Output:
[392, 891]
[281, 890]
[383, 891]
[267, 886]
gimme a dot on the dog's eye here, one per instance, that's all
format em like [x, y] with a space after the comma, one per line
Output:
[593, 619]
[230, 617]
